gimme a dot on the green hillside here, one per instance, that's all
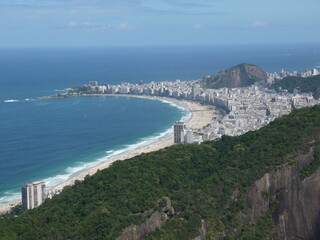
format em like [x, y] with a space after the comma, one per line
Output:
[199, 180]
[309, 84]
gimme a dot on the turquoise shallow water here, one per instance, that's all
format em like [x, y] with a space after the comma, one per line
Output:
[52, 139]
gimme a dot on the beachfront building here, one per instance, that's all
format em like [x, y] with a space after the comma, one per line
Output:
[94, 83]
[178, 130]
[195, 91]
[33, 194]
[188, 136]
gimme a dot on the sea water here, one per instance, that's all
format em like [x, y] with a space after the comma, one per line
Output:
[53, 139]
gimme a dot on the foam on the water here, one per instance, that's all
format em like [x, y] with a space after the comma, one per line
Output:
[10, 196]
[70, 171]
[11, 101]
[110, 154]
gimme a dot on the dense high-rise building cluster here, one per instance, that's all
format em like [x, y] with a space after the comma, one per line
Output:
[236, 111]
[241, 109]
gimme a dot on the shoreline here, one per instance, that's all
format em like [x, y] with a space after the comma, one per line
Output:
[200, 116]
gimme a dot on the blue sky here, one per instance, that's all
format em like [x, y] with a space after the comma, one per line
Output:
[59, 23]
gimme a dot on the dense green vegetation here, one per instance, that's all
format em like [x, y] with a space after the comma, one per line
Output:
[199, 179]
[309, 84]
[262, 229]
[308, 170]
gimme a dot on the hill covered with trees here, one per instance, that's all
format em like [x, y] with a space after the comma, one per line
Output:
[207, 185]
[309, 84]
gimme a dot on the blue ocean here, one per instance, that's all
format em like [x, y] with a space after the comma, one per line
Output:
[53, 139]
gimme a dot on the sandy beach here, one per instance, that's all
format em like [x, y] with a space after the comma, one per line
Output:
[200, 117]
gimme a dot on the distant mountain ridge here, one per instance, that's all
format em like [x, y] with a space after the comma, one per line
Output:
[241, 75]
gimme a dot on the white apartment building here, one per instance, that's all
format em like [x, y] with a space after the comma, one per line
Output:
[33, 194]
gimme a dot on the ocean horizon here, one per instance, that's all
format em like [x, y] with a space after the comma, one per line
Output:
[56, 138]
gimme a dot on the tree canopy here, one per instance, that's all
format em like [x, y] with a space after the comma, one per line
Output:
[199, 180]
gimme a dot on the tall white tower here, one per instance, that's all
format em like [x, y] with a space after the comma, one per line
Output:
[178, 130]
[195, 91]
[33, 194]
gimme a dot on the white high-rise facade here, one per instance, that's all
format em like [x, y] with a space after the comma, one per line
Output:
[195, 91]
[178, 132]
[33, 194]
[188, 136]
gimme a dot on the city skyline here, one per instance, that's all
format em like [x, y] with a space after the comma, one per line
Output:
[237, 110]
[95, 23]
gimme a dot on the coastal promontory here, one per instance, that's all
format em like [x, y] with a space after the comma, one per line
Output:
[241, 75]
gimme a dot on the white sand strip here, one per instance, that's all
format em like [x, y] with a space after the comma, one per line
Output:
[200, 117]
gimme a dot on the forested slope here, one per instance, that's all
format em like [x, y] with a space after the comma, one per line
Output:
[206, 183]
[309, 84]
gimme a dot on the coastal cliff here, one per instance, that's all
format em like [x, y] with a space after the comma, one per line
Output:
[242, 75]
[297, 211]
[154, 222]
[292, 203]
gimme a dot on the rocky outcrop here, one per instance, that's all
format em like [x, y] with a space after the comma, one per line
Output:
[202, 232]
[156, 221]
[242, 75]
[298, 213]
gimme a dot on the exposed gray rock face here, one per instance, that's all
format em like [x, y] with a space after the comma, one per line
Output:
[242, 75]
[298, 213]
[202, 231]
[156, 221]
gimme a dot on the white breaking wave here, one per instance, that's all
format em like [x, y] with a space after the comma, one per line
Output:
[10, 197]
[173, 104]
[110, 154]
[187, 115]
[11, 101]
[53, 181]
[56, 180]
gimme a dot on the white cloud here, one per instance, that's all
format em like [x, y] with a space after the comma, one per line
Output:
[258, 24]
[123, 26]
[98, 26]
[73, 24]
[198, 26]
[184, 7]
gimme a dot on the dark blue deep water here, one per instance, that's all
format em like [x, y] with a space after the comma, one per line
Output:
[52, 139]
